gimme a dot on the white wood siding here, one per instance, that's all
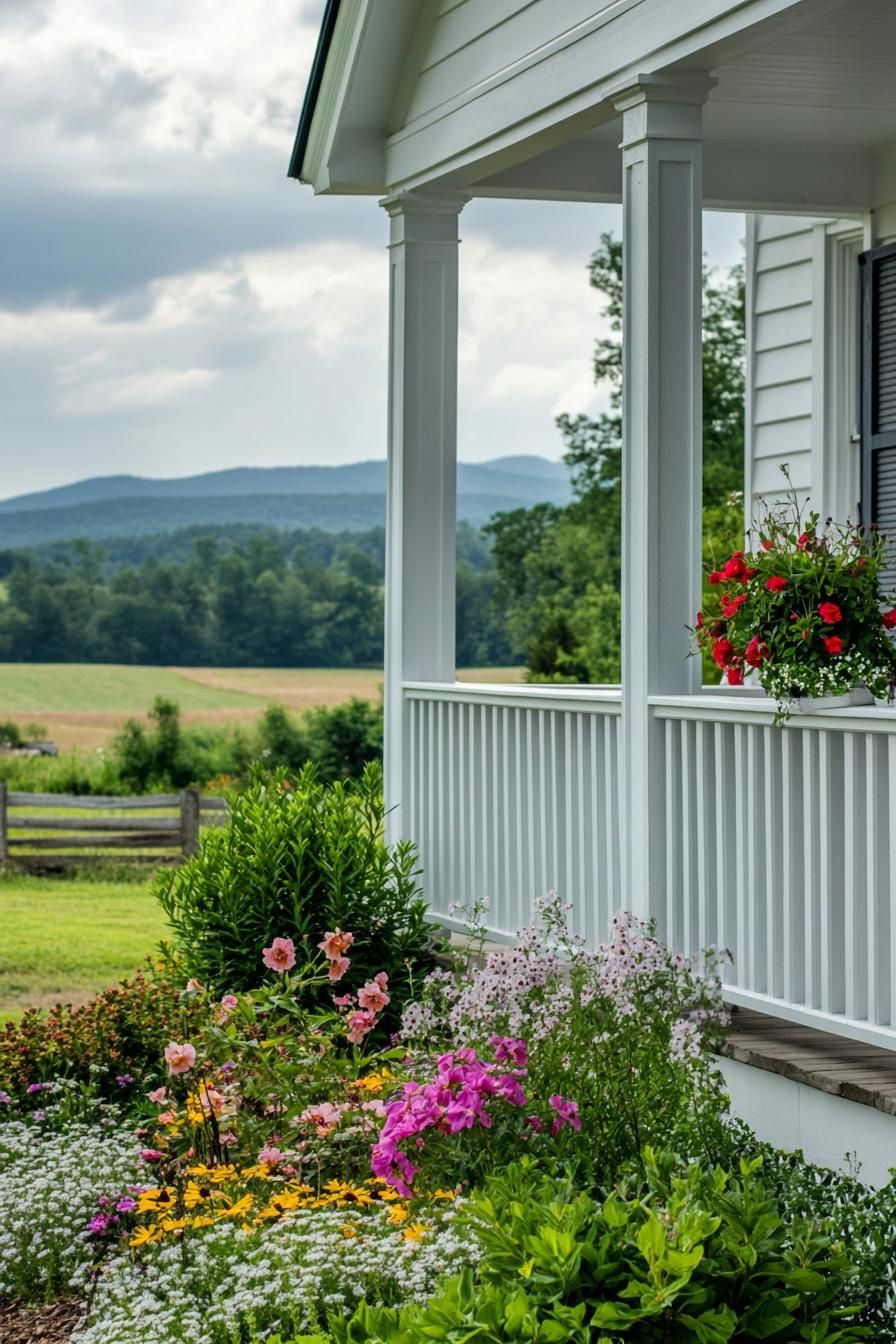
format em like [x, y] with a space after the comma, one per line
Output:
[780, 329]
[469, 41]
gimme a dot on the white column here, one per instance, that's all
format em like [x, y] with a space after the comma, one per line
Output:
[421, 501]
[662, 448]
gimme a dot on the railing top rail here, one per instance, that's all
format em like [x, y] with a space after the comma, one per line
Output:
[93, 801]
[593, 699]
[746, 707]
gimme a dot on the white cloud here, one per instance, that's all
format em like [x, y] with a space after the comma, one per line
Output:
[84, 388]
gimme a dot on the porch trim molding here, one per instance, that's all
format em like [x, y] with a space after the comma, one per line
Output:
[662, 198]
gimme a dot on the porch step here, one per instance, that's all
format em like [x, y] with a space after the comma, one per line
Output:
[833, 1064]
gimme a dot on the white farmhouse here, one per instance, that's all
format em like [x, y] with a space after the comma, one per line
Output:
[659, 795]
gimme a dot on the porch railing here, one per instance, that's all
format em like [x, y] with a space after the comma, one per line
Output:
[512, 791]
[780, 844]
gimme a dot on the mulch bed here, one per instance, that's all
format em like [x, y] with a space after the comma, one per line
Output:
[51, 1323]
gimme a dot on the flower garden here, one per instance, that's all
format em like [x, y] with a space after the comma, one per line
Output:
[360, 1135]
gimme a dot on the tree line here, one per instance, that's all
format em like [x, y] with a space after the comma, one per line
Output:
[261, 599]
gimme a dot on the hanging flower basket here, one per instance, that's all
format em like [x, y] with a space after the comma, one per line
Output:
[804, 610]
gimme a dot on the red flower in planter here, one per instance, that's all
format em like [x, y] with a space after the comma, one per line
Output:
[766, 544]
[755, 653]
[735, 568]
[723, 652]
[833, 644]
[731, 604]
[776, 584]
[830, 613]
[716, 577]
[803, 541]
[735, 675]
[889, 619]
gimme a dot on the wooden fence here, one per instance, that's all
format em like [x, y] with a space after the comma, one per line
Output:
[101, 835]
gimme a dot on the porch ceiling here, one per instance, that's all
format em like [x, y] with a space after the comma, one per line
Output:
[805, 120]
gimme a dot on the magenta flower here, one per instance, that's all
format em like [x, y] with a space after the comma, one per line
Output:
[510, 1048]
[280, 956]
[567, 1114]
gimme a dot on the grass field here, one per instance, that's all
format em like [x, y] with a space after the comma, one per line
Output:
[66, 939]
[83, 705]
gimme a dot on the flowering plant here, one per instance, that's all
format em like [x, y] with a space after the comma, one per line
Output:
[611, 1048]
[804, 610]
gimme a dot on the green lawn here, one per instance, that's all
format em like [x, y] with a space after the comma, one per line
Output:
[64, 939]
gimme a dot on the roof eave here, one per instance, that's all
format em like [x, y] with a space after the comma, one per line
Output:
[312, 91]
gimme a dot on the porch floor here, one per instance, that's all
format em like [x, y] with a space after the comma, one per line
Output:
[833, 1064]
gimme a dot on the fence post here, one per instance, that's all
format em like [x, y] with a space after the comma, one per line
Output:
[4, 827]
[189, 822]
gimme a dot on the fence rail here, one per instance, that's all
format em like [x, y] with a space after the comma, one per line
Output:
[74, 837]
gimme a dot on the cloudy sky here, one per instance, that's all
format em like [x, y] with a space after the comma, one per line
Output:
[170, 303]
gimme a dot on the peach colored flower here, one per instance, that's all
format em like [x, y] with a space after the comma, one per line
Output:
[373, 997]
[159, 1095]
[166, 1117]
[338, 967]
[280, 956]
[336, 944]
[179, 1058]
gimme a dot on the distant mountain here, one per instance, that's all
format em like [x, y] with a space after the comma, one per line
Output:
[522, 478]
[331, 498]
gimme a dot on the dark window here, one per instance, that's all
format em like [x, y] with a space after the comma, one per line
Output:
[879, 397]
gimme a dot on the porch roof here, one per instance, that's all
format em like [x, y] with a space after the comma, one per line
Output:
[803, 116]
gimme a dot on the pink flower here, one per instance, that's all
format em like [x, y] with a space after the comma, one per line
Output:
[158, 1096]
[280, 956]
[338, 967]
[166, 1117]
[151, 1155]
[567, 1114]
[226, 1007]
[194, 987]
[343, 1000]
[336, 944]
[179, 1058]
[269, 1156]
[534, 1122]
[510, 1048]
[373, 996]
[359, 1024]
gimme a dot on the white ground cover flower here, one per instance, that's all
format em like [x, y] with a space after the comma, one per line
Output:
[49, 1187]
[225, 1283]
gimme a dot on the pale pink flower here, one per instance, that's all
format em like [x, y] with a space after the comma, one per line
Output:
[270, 1156]
[336, 944]
[373, 996]
[359, 1024]
[343, 1000]
[226, 1007]
[194, 987]
[280, 956]
[179, 1058]
[158, 1096]
[338, 967]
[166, 1117]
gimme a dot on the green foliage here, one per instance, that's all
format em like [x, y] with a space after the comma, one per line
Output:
[671, 1256]
[296, 859]
[559, 569]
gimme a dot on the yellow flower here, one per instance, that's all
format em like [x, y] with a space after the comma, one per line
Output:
[239, 1208]
[202, 1220]
[348, 1231]
[156, 1200]
[174, 1224]
[415, 1232]
[144, 1235]
[444, 1194]
[398, 1215]
[195, 1194]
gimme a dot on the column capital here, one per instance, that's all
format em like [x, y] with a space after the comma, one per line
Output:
[663, 107]
[424, 216]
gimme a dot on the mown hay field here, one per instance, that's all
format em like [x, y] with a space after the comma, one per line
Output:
[83, 705]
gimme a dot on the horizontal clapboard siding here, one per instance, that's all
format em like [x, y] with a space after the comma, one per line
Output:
[470, 41]
[781, 319]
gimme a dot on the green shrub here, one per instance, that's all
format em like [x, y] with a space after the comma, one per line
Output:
[120, 1031]
[10, 734]
[299, 858]
[671, 1256]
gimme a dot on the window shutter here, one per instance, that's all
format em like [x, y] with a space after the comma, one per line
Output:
[879, 398]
